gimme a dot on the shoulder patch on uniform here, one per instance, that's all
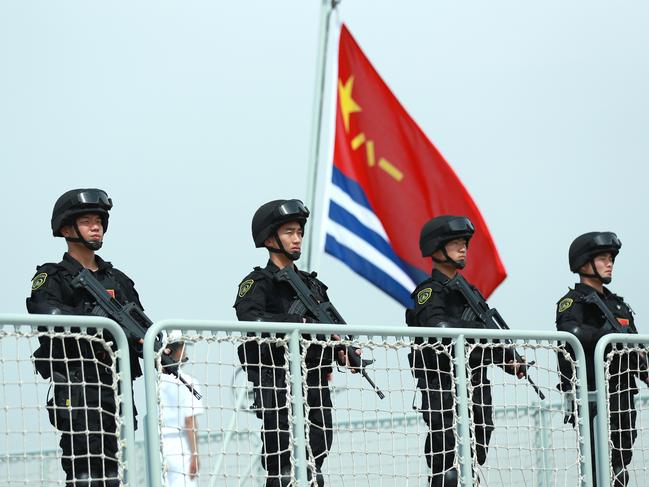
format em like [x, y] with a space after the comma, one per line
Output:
[39, 280]
[564, 304]
[424, 295]
[245, 287]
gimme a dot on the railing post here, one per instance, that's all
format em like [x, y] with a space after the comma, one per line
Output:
[601, 385]
[127, 436]
[153, 413]
[583, 418]
[466, 470]
[295, 358]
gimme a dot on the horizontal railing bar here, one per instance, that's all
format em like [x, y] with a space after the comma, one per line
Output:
[364, 330]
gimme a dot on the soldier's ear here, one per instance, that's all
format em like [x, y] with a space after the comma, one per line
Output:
[587, 268]
[270, 242]
[438, 254]
[68, 231]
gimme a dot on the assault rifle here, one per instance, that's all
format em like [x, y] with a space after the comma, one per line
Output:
[593, 298]
[491, 319]
[130, 317]
[325, 313]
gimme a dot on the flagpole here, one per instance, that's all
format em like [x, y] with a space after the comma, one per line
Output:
[326, 9]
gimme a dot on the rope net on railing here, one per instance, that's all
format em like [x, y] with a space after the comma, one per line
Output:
[625, 369]
[530, 444]
[73, 403]
[243, 423]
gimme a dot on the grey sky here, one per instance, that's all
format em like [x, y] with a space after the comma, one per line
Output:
[192, 114]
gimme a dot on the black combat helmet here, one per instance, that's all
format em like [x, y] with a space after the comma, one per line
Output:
[586, 247]
[272, 215]
[77, 202]
[436, 233]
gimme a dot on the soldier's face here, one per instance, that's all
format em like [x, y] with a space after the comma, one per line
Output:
[90, 228]
[604, 265]
[456, 249]
[290, 234]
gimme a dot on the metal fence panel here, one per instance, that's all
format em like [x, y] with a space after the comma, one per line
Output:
[530, 444]
[28, 453]
[623, 431]
[375, 442]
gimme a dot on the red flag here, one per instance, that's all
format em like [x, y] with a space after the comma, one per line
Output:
[382, 152]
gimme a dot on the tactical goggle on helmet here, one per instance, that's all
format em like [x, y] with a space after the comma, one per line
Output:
[270, 216]
[589, 245]
[78, 202]
[292, 208]
[95, 197]
[436, 233]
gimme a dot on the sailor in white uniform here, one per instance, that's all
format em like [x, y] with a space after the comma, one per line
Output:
[179, 409]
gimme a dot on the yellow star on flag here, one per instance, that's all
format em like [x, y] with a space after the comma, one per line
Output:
[347, 103]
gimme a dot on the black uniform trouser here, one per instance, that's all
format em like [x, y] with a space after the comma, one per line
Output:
[437, 409]
[622, 436]
[85, 415]
[273, 410]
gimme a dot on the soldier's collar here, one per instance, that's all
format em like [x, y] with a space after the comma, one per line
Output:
[271, 267]
[73, 266]
[582, 288]
[439, 276]
[102, 264]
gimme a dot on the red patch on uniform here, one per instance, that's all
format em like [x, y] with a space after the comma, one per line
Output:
[623, 321]
[111, 292]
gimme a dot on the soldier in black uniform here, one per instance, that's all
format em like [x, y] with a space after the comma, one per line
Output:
[279, 226]
[592, 256]
[446, 239]
[79, 368]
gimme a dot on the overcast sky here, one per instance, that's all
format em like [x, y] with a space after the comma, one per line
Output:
[192, 114]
